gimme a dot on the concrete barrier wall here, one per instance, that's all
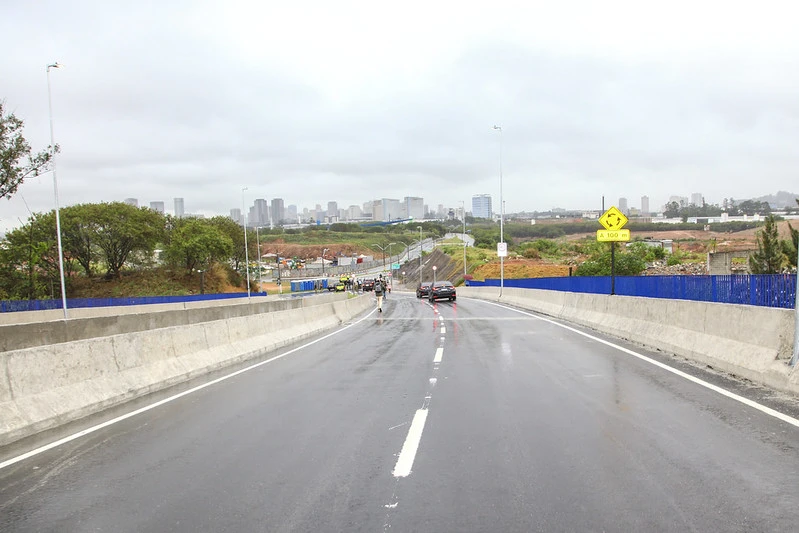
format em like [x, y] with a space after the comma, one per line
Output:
[748, 341]
[42, 387]
[105, 321]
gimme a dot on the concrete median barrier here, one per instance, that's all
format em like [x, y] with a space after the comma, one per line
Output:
[46, 385]
[748, 341]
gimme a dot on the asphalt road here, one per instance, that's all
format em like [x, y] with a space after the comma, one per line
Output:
[459, 416]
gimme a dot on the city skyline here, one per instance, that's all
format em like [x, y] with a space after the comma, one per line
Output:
[261, 213]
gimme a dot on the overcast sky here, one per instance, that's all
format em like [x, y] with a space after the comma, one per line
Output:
[348, 101]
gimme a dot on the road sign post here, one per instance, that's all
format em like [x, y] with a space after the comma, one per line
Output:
[613, 221]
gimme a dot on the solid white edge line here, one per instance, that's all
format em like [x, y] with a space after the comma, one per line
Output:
[439, 354]
[724, 392]
[411, 445]
[120, 418]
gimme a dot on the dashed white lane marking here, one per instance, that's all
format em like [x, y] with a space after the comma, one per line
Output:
[724, 392]
[439, 354]
[120, 418]
[443, 330]
[411, 445]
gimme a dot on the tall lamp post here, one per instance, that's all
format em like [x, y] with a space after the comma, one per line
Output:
[434, 274]
[383, 249]
[501, 216]
[258, 246]
[323, 261]
[246, 251]
[55, 190]
[420, 254]
[463, 214]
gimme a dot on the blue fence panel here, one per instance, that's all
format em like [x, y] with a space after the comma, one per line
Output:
[769, 290]
[8, 306]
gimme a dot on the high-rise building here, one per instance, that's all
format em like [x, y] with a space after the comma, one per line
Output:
[158, 207]
[481, 206]
[377, 210]
[644, 206]
[132, 201]
[179, 208]
[413, 207]
[261, 217]
[278, 211]
[354, 212]
[697, 199]
[332, 209]
[386, 209]
[623, 207]
[291, 214]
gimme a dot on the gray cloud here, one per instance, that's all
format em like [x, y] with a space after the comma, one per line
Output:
[154, 104]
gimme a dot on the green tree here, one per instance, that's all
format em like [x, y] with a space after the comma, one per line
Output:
[672, 210]
[235, 232]
[627, 264]
[196, 244]
[122, 229]
[770, 256]
[14, 149]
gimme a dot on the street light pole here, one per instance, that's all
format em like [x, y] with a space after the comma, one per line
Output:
[323, 261]
[258, 245]
[246, 251]
[55, 190]
[501, 216]
[463, 214]
[420, 255]
[434, 274]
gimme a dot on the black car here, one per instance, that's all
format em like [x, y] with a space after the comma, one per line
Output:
[368, 285]
[423, 289]
[442, 290]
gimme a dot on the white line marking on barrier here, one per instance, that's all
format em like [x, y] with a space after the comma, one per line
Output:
[439, 354]
[724, 392]
[159, 403]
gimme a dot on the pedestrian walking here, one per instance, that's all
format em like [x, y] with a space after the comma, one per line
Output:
[379, 292]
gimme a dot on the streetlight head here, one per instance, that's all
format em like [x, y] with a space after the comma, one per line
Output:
[54, 65]
[497, 127]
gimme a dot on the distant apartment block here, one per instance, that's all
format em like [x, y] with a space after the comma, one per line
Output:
[697, 199]
[623, 207]
[332, 209]
[158, 207]
[386, 209]
[644, 205]
[132, 201]
[235, 215]
[278, 211]
[179, 208]
[291, 214]
[481, 206]
[413, 207]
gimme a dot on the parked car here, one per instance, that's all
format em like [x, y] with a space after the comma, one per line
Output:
[368, 285]
[442, 290]
[423, 289]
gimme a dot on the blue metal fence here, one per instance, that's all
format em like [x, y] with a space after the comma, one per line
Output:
[8, 306]
[769, 290]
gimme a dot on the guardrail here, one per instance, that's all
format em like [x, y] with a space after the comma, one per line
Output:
[10, 306]
[766, 290]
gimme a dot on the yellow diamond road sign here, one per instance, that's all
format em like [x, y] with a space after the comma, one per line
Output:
[621, 235]
[613, 219]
